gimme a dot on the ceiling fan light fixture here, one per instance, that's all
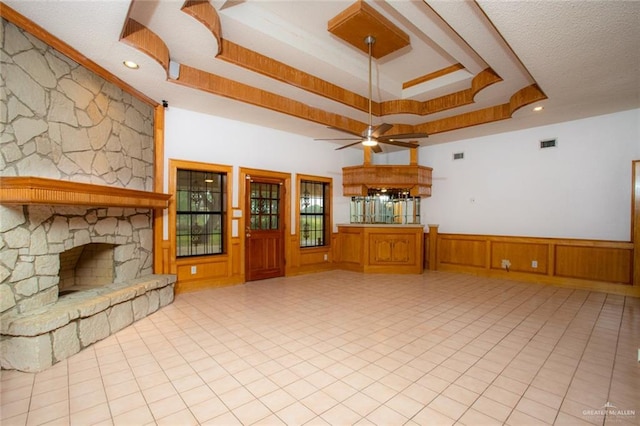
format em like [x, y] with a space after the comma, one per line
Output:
[369, 142]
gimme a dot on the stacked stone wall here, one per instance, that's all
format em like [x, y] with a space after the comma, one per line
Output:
[59, 120]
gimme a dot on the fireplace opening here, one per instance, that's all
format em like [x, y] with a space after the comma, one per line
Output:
[86, 267]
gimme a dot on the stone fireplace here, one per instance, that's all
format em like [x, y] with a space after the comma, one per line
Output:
[76, 211]
[78, 275]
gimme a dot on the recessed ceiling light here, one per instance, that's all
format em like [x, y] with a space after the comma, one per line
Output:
[538, 108]
[131, 64]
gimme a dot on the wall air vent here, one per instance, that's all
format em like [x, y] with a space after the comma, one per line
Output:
[458, 155]
[548, 143]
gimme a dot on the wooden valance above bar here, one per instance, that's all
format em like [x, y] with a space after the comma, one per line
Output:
[37, 190]
[357, 180]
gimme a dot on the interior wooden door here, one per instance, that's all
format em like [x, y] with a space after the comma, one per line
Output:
[264, 231]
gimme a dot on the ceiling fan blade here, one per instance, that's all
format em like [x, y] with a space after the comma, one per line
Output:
[347, 146]
[381, 129]
[405, 136]
[376, 148]
[399, 143]
[338, 139]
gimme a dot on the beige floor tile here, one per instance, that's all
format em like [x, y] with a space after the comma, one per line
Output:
[183, 418]
[277, 400]
[91, 416]
[447, 406]
[208, 409]
[340, 414]
[518, 418]
[384, 415]
[404, 405]
[139, 416]
[328, 347]
[127, 403]
[475, 418]
[537, 410]
[48, 413]
[165, 407]
[295, 414]
[492, 408]
[251, 412]
[430, 417]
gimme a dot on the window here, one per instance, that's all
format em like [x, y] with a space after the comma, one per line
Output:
[201, 201]
[315, 218]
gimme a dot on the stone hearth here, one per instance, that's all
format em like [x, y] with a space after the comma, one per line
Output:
[34, 341]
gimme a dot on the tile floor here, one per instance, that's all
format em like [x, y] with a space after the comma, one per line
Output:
[341, 348]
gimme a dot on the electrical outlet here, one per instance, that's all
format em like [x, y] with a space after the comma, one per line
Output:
[506, 264]
[326, 257]
[534, 263]
[194, 270]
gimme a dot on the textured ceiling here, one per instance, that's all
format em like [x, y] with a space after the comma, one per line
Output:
[582, 56]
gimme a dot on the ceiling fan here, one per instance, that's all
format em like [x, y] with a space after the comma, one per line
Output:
[372, 136]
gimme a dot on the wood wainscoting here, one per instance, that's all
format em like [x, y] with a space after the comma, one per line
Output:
[310, 259]
[588, 264]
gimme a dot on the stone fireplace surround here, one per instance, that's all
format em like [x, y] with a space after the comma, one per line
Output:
[38, 327]
[76, 164]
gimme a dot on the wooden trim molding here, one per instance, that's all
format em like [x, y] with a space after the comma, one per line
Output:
[635, 221]
[481, 81]
[211, 83]
[36, 190]
[142, 38]
[432, 76]
[217, 85]
[254, 61]
[160, 263]
[248, 59]
[203, 12]
[40, 33]
[521, 98]
[211, 270]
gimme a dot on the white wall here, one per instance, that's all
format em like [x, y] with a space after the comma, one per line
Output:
[198, 137]
[507, 185]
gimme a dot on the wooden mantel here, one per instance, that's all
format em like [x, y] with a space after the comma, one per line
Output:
[37, 190]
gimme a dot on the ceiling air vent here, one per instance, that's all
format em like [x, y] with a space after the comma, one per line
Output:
[458, 155]
[548, 143]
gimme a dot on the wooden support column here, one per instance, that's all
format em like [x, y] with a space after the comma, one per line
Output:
[413, 156]
[433, 247]
[367, 155]
[635, 221]
[160, 265]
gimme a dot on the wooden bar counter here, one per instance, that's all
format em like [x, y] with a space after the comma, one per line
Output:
[381, 248]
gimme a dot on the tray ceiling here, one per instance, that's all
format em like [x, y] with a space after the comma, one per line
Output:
[470, 68]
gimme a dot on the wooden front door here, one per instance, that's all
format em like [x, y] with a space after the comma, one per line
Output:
[264, 230]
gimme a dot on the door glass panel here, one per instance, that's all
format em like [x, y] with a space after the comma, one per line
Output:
[265, 205]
